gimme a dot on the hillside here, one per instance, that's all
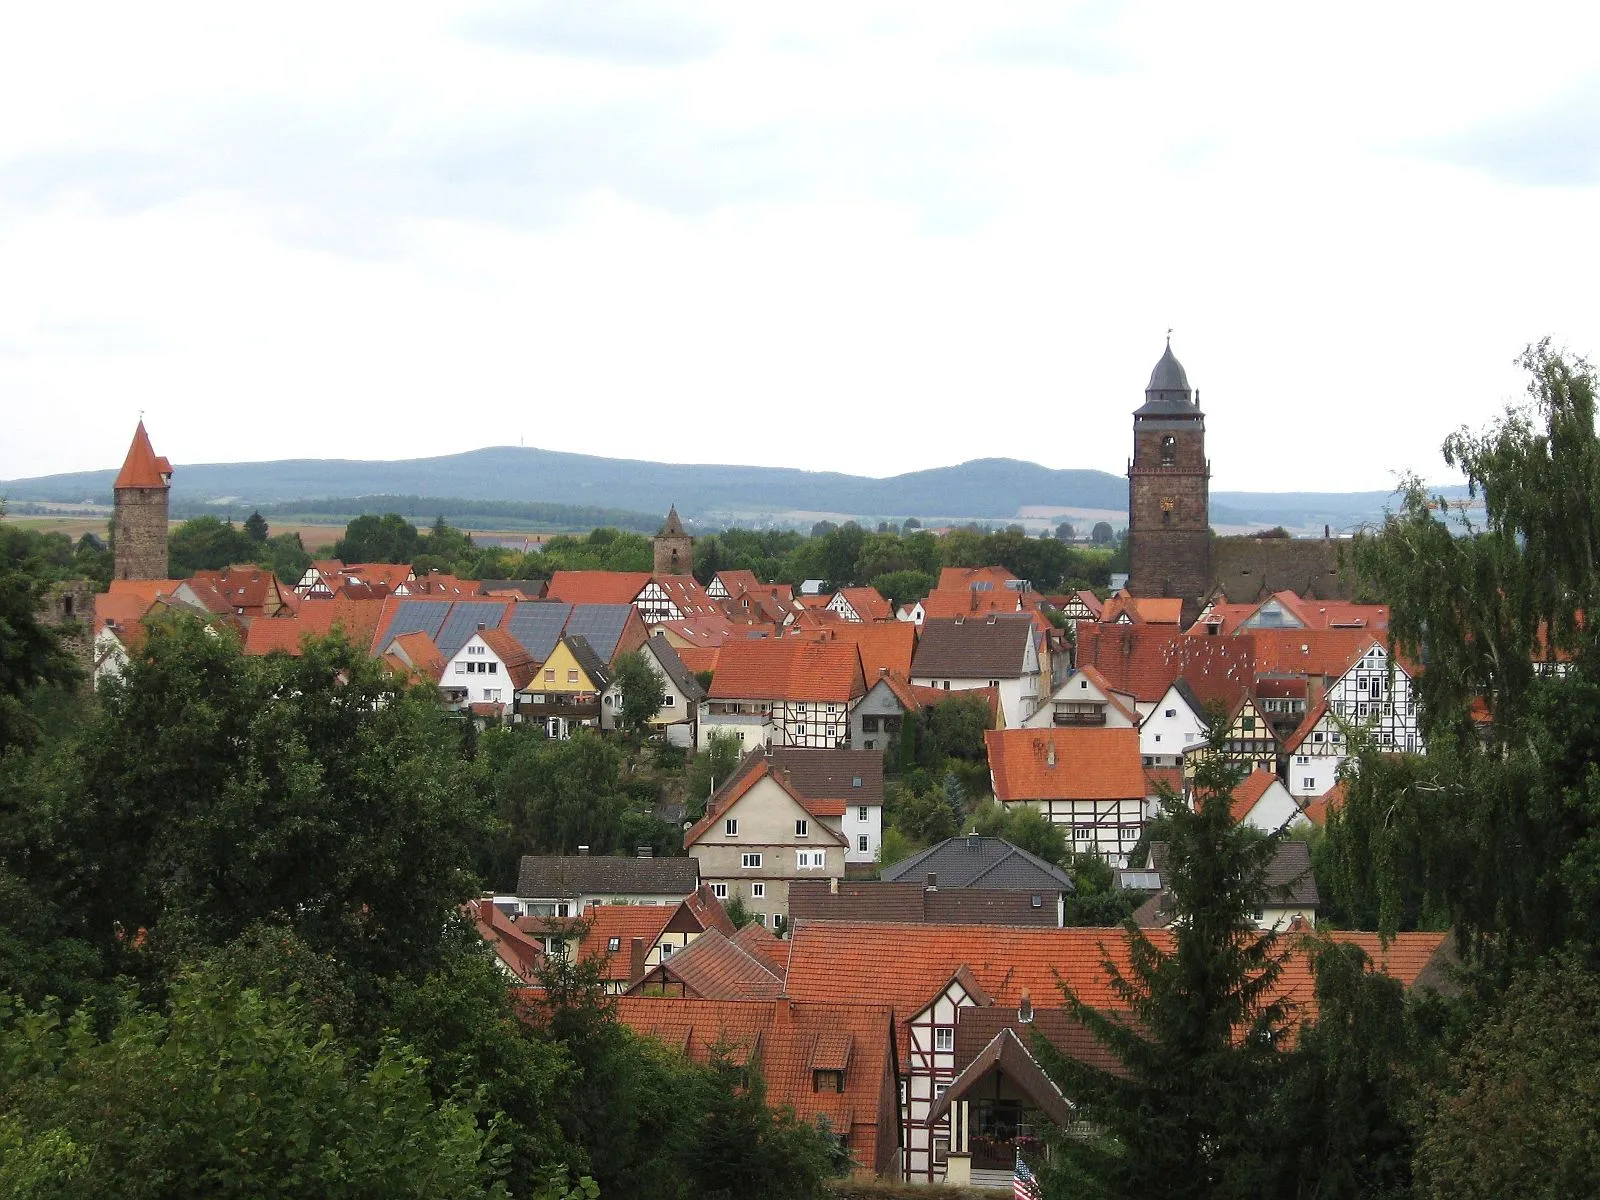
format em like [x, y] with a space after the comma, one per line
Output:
[983, 489]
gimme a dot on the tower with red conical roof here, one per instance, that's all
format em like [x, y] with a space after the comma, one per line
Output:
[142, 489]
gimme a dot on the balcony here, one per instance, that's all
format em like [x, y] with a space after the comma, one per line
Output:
[1094, 716]
[572, 706]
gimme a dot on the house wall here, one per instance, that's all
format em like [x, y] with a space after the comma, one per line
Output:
[1018, 697]
[930, 1071]
[478, 671]
[1077, 689]
[1312, 771]
[883, 706]
[1170, 730]
[1110, 828]
[855, 827]
[1275, 810]
[751, 728]
[676, 710]
[766, 816]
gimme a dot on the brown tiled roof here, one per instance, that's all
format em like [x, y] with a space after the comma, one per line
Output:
[622, 923]
[1313, 715]
[787, 1038]
[713, 967]
[991, 647]
[421, 654]
[1089, 764]
[761, 942]
[515, 948]
[881, 644]
[1323, 652]
[1145, 660]
[143, 468]
[358, 619]
[518, 662]
[787, 669]
[914, 903]
[832, 774]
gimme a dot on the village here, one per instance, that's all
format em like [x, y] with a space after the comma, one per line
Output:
[893, 998]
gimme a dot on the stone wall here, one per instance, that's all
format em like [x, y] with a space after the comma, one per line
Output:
[68, 608]
[1252, 568]
[141, 533]
[668, 544]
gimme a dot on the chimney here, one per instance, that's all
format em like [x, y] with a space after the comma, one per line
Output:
[584, 851]
[481, 627]
[636, 957]
[646, 851]
[972, 840]
[1050, 753]
[883, 670]
[933, 881]
[1025, 1008]
[833, 886]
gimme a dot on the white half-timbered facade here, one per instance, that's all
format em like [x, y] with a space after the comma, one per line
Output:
[931, 1061]
[1374, 698]
[1088, 780]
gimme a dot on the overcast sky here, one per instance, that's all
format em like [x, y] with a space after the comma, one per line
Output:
[857, 237]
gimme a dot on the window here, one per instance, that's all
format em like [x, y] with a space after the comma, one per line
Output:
[1302, 760]
[730, 827]
[1317, 736]
[869, 725]
[944, 1038]
[758, 891]
[1038, 900]
[827, 1081]
[807, 860]
[669, 701]
[1171, 712]
[861, 843]
[749, 861]
[1308, 783]
[550, 675]
[494, 668]
[1169, 450]
[800, 730]
[802, 827]
[941, 1149]
[761, 918]
[940, 1089]
[833, 707]
[572, 676]
[666, 950]
[461, 668]
[861, 812]
[1248, 724]
[719, 890]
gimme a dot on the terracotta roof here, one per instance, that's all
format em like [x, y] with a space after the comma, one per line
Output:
[905, 966]
[867, 603]
[1249, 792]
[597, 587]
[143, 468]
[881, 644]
[764, 944]
[1088, 764]
[703, 629]
[788, 669]
[1324, 652]
[357, 619]
[992, 647]
[389, 575]
[963, 578]
[621, 923]
[1144, 610]
[946, 603]
[1332, 800]
[924, 696]
[517, 951]
[705, 908]
[714, 967]
[281, 635]
[1145, 660]
[788, 1040]
[519, 664]
[1313, 715]
[699, 658]
[129, 600]
[1172, 777]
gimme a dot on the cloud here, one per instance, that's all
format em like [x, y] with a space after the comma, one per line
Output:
[1557, 145]
[618, 31]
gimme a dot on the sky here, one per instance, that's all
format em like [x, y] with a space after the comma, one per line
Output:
[861, 237]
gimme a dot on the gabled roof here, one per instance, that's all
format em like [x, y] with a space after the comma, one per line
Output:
[619, 924]
[519, 664]
[1142, 610]
[971, 861]
[714, 967]
[417, 651]
[1289, 880]
[143, 468]
[1298, 737]
[881, 644]
[588, 661]
[990, 647]
[564, 876]
[916, 903]
[517, 950]
[1113, 697]
[1015, 1061]
[753, 768]
[675, 668]
[849, 776]
[867, 603]
[1249, 792]
[787, 669]
[1065, 764]
[1332, 800]
[1145, 660]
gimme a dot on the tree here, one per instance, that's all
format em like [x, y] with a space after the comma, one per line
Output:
[956, 726]
[30, 654]
[389, 538]
[232, 1093]
[710, 769]
[1065, 532]
[207, 544]
[1102, 534]
[1197, 1044]
[642, 689]
[1520, 1110]
[902, 587]
[255, 528]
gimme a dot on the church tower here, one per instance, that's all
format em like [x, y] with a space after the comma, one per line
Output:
[140, 515]
[674, 548]
[1169, 484]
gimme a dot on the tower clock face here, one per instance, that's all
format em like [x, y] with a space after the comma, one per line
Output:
[1168, 504]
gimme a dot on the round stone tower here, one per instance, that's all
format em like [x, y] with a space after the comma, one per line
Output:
[1169, 486]
[140, 515]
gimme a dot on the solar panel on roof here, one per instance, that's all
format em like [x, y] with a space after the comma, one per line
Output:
[416, 616]
[537, 626]
[463, 622]
[600, 625]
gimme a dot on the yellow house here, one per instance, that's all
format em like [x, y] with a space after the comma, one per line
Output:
[1251, 742]
[565, 690]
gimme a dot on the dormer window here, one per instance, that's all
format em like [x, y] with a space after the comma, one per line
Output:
[827, 1081]
[614, 944]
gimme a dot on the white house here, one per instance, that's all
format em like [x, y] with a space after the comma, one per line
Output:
[488, 669]
[1172, 726]
[1261, 800]
[1375, 697]
[997, 650]
[1085, 697]
[679, 716]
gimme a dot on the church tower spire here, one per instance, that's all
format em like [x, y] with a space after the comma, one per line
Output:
[1169, 484]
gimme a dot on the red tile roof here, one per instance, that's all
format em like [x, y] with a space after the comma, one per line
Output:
[1145, 660]
[1325, 652]
[880, 643]
[143, 468]
[1089, 764]
[788, 669]
[1249, 792]
[624, 922]
[518, 662]
[789, 1041]
[1314, 715]
[1332, 800]
[597, 587]
[699, 658]
[1113, 697]
[760, 941]
[713, 967]
[1143, 610]
[517, 951]
[867, 603]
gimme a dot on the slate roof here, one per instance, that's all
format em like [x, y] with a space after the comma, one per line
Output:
[143, 467]
[567, 875]
[1289, 881]
[991, 647]
[676, 670]
[983, 862]
[915, 903]
[1089, 763]
[588, 661]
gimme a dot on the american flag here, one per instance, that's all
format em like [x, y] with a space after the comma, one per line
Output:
[1024, 1183]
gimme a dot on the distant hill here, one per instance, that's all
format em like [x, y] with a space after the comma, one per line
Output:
[991, 489]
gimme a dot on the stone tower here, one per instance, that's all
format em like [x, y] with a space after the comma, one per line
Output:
[1169, 484]
[674, 549]
[140, 520]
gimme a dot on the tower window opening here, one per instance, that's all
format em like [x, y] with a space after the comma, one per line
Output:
[1169, 451]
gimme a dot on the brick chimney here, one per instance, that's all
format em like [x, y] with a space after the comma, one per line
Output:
[636, 958]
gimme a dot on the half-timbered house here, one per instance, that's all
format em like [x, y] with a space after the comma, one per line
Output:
[1086, 779]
